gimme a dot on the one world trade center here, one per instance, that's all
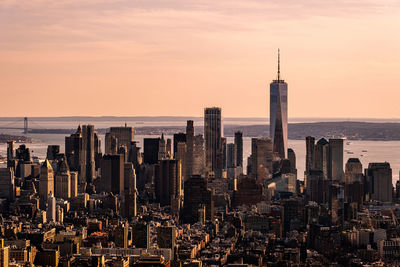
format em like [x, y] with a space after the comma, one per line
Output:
[278, 115]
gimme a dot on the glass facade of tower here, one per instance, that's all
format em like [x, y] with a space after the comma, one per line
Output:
[279, 116]
[213, 134]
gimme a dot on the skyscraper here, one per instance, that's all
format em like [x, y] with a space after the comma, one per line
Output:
[261, 158]
[279, 114]
[168, 181]
[310, 153]
[213, 134]
[322, 157]
[190, 146]
[62, 180]
[336, 159]
[239, 148]
[46, 182]
[7, 187]
[379, 181]
[112, 174]
[88, 153]
[124, 135]
[73, 148]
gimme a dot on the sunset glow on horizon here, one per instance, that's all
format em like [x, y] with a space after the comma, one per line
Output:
[151, 57]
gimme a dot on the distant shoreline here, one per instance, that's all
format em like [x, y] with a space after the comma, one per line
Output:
[297, 131]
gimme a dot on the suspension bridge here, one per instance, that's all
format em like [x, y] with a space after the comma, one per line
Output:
[19, 124]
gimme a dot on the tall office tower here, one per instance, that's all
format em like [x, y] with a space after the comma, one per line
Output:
[198, 156]
[53, 151]
[190, 146]
[317, 188]
[130, 192]
[112, 174]
[231, 161]
[278, 114]
[379, 181]
[261, 158]
[135, 156]
[125, 135]
[180, 155]
[178, 138]
[169, 149]
[310, 153]
[151, 147]
[73, 148]
[197, 195]
[223, 153]
[168, 181]
[88, 153]
[141, 235]
[10, 152]
[62, 180]
[23, 154]
[111, 144]
[97, 144]
[74, 183]
[213, 134]
[239, 148]
[162, 149]
[7, 188]
[46, 182]
[353, 171]
[51, 208]
[354, 181]
[122, 150]
[292, 160]
[336, 159]
[322, 157]
[231, 156]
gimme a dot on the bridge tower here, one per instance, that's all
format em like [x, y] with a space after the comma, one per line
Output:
[25, 125]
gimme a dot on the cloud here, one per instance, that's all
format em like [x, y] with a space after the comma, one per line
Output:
[27, 23]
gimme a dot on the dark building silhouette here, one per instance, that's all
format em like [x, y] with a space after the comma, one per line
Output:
[73, 150]
[310, 153]
[322, 157]
[168, 181]
[53, 151]
[196, 196]
[190, 149]
[178, 138]
[141, 235]
[151, 147]
[378, 178]
[213, 141]
[249, 192]
[112, 174]
[317, 187]
[88, 153]
[239, 148]
[336, 159]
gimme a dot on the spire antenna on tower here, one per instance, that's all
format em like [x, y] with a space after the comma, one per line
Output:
[279, 65]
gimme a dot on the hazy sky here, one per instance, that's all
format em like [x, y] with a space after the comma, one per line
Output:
[341, 58]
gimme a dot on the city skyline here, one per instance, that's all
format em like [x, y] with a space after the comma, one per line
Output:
[150, 52]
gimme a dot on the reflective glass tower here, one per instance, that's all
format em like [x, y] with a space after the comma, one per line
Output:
[278, 114]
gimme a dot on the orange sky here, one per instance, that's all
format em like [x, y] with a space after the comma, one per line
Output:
[341, 58]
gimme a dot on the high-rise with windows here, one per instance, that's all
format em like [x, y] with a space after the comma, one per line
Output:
[213, 134]
[279, 114]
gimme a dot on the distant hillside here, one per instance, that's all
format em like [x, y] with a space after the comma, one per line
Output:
[350, 130]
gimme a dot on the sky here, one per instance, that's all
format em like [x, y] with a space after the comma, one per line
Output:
[340, 58]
